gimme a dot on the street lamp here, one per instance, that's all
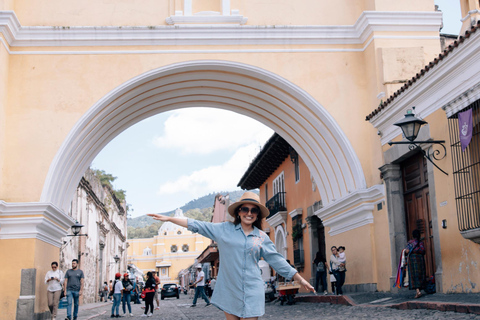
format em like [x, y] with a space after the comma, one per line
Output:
[116, 258]
[76, 230]
[410, 126]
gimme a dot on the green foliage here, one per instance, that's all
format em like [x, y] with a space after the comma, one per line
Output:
[105, 178]
[297, 232]
[151, 229]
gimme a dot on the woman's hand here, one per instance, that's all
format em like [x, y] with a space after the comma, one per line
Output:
[307, 285]
[297, 277]
[160, 217]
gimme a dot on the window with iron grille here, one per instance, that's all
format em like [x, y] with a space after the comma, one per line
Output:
[466, 170]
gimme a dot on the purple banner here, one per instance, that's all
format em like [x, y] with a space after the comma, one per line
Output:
[465, 126]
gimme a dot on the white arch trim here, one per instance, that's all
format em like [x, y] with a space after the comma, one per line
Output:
[281, 240]
[241, 88]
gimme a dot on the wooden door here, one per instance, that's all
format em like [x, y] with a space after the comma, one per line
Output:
[417, 205]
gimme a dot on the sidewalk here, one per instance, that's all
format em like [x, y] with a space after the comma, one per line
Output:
[458, 302]
[88, 311]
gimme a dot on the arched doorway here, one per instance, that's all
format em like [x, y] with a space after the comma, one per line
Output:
[248, 90]
[281, 241]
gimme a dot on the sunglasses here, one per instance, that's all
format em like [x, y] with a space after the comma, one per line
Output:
[253, 210]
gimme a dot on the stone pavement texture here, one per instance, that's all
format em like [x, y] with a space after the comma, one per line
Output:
[377, 305]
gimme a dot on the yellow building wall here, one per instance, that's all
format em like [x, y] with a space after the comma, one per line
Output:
[460, 257]
[27, 253]
[153, 13]
[161, 252]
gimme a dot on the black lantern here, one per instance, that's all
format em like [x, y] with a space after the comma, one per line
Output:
[76, 230]
[116, 258]
[410, 125]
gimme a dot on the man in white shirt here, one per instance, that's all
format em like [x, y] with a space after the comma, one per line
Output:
[200, 287]
[54, 279]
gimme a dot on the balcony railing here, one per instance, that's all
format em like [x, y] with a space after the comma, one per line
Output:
[276, 204]
[298, 258]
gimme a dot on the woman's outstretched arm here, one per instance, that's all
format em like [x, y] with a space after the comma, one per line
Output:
[183, 222]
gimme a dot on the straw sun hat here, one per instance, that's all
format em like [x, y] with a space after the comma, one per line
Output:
[252, 198]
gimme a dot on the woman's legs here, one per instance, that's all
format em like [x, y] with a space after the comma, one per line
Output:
[323, 277]
[56, 300]
[340, 276]
[149, 301]
[317, 280]
[229, 316]
[50, 300]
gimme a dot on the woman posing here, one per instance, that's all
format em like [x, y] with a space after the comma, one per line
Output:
[416, 263]
[239, 292]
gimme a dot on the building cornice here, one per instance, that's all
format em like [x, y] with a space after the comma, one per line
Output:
[352, 211]
[277, 219]
[33, 220]
[369, 22]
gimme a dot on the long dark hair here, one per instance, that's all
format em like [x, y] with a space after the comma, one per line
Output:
[257, 223]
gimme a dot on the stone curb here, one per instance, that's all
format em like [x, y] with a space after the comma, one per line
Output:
[343, 300]
[408, 305]
[440, 306]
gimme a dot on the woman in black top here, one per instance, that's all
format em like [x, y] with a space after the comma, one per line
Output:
[321, 274]
[150, 287]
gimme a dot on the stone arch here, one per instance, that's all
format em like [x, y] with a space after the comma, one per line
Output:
[241, 88]
[281, 240]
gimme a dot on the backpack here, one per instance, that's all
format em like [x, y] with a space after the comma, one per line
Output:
[321, 267]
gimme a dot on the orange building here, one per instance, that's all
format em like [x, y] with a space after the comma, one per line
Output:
[289, 192]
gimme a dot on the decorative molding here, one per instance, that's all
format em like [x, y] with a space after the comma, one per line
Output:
[451, 85]
[344, 205]
[369, 22]
[353, 211]
[250, 90]
[277, 219]
[202, 19]
[357, 217]
[27, 220]
[296, 212]
[469, 14]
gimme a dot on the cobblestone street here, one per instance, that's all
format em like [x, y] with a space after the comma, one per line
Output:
[173, 309]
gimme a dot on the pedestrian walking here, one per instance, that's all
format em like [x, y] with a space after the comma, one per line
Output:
[110, 291]
[157, 290]
[338, 272]
[239, 292]
[321, 272]
[212, 284]
[416, 263]
[73, 288]
[127, 294]
[150, 288]
[105, 291]
[54, 279]
[117, 295]
[200, 287]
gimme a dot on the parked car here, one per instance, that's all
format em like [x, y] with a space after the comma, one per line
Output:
[170, 290]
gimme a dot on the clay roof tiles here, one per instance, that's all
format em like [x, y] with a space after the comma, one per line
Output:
[422, 72]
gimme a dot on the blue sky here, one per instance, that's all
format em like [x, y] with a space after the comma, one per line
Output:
[174, 157]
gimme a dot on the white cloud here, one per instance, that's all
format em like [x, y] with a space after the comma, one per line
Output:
[206, 130]
[215, 178]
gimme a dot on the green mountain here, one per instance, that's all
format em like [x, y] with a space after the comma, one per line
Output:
[201, 203]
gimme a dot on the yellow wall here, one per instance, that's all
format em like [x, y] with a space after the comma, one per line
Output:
[153, 13]
[161, 251]
[461, 272]
[26, 253]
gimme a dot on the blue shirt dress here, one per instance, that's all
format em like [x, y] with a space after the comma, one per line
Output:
[240, 289]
